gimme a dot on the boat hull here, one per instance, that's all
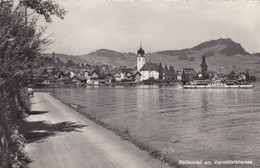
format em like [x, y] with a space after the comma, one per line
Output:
[218, 87]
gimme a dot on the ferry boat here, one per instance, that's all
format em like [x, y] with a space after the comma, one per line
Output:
[207, 84]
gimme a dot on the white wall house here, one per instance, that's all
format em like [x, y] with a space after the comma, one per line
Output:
[118, 77]
[72, 73]
[93, 78]
[149, 71]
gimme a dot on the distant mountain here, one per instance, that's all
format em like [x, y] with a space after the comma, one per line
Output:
[225, 46]
[209, 48]
[64, 57]
[110, 57]
[222, 55]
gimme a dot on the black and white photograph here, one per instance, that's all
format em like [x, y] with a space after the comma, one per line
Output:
[129, 84]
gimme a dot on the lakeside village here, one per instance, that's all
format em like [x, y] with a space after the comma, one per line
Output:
[144, 73]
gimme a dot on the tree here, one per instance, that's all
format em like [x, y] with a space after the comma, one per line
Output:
[166, 73]
[70, 63]
[252, 78]
[171, 73]
[247, 76]
[160, 69]
[204, 67]
[232, 75]
[19, 43]
[46, 8]
[185, 77]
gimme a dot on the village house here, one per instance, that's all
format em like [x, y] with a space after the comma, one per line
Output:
[178, 75]
[211, 75]
[242, 76]
[192, 74]
[126, 76]
[43, 76]
[108, 78]
[79, 79]
[50, 69]
[62, 75]
[93, 78]
[129, 75]
[81, 72]
[117, 77]
[84, 72]
[72, 73]
[190, 71]
[137, 76]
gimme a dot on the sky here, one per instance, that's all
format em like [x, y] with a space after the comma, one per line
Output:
[160, 25]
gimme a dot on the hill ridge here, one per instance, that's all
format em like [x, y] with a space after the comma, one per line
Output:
[223, 55]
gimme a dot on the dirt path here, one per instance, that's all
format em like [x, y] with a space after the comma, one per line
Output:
[62, 138]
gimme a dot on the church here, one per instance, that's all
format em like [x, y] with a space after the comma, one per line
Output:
[148, 70]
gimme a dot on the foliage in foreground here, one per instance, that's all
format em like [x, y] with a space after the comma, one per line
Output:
[20, 43]
[14, 104]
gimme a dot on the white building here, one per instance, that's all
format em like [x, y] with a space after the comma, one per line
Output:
[147, 70]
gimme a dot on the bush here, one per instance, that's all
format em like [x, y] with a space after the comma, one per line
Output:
[14, 104]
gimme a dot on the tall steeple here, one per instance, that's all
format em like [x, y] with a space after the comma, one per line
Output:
[140, 58]
[140, 52]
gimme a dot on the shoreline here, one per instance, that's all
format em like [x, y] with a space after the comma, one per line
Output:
[164, 158]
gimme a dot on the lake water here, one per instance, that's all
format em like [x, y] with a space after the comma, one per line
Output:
[192, 125]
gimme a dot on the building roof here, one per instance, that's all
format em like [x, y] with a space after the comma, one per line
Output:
[50, 67]
[140, 52]
[74, 71]
[89, 70]
[117, 75]
[136, 72]
[93, 72]
[148, 66]
[188, 69]
[41, 72]
[81, 78]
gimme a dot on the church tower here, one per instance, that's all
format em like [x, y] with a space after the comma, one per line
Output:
[140, 58]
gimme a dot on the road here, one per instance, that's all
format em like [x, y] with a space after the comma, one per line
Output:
[63, 138]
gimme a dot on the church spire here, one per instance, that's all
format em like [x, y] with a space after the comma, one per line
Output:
[140, 52]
